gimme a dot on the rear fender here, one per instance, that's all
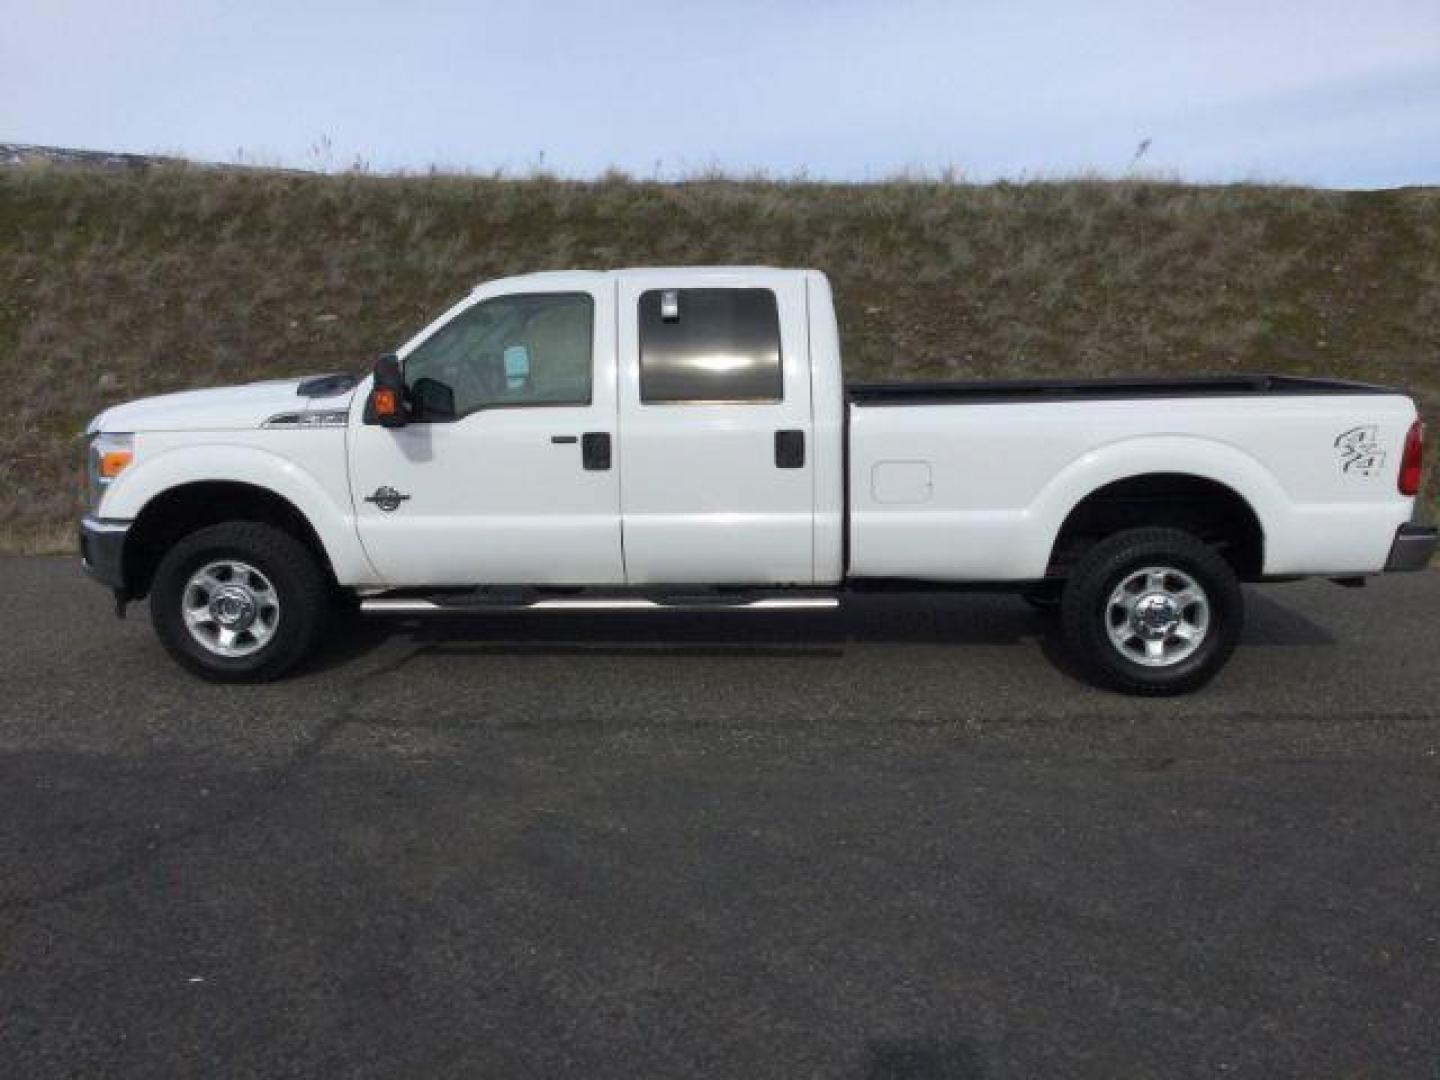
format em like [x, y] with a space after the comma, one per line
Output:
[1208, 459]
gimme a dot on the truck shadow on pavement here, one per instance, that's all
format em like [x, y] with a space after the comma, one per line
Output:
[945, 619]
[980, 621]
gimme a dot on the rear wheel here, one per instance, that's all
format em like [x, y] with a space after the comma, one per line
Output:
[239, 602]
[1152, 611]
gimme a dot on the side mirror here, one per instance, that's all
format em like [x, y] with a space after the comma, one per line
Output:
[431, 400]
[386, 405]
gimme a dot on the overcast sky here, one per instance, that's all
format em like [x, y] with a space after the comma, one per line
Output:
[1343, 94]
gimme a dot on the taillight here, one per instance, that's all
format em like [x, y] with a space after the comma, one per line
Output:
[1411, 460]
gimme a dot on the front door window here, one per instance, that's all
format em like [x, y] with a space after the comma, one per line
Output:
[522, 350]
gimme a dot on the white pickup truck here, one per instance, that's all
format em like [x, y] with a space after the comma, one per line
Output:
[662, 439]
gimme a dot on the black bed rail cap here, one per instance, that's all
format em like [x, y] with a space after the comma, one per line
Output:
[1100, 389]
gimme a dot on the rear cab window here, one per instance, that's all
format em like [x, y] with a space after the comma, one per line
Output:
[709, 346]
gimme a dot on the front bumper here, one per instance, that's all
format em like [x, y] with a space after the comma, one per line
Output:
[102, 550]
[1412, 548]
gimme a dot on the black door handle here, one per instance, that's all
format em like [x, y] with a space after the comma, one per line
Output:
[790, 449]
[558, 439]
[595, 450]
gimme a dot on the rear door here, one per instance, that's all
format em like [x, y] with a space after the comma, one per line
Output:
[715, 452]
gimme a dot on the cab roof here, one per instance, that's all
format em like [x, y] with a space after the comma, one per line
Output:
[676, 274]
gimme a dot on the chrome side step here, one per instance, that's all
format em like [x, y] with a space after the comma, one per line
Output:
[420, 606]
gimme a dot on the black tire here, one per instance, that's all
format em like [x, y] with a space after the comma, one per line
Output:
[1044, 598]
[1085, 608]
[344, 608]
[304, 599]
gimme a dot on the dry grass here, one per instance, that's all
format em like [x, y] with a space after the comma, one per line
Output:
[115, 285]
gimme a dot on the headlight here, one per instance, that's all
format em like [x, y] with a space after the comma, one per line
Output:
[106, 457]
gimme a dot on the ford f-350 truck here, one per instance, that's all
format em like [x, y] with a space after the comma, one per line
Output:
[679, 439]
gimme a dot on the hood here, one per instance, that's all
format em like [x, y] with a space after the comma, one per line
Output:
[228, 408]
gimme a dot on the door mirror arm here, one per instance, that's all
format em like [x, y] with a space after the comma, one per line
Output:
[386, 404]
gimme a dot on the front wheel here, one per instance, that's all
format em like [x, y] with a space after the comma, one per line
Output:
[1152, 611]
[1044, 598]
[239, 602]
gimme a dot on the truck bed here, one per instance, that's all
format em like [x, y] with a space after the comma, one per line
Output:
[1034, 390]
[952, 488]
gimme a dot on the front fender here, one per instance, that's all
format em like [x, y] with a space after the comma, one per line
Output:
[331, 518]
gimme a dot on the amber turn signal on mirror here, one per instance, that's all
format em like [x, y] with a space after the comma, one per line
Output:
[386, 403]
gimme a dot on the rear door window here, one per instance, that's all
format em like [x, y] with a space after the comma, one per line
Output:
[709, 345]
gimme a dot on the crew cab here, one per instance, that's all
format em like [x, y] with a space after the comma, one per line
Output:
[678, 439]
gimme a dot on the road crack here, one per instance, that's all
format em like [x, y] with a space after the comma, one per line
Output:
[250, 807]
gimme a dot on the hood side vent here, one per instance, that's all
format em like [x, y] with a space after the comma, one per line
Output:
[318, 386]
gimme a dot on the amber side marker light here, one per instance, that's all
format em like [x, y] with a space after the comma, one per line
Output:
[113, 462]
[1412, 459]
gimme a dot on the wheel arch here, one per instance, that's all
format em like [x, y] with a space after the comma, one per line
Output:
[178, 511]
[1193, 482]
[246, 482]
[1207, 508]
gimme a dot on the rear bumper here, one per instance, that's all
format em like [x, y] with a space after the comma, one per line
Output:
[102, 551]
[1412, 548]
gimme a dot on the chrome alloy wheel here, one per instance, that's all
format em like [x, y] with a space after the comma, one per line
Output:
[230, 608]
[1157, 616]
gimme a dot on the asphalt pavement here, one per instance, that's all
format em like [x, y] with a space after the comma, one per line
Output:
[902, 841]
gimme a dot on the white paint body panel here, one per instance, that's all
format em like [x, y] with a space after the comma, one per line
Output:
[944, 491]
[1006, 475]
[491, 498]
[225, 408]
[702, 499]
[827, 444]
[306, 468]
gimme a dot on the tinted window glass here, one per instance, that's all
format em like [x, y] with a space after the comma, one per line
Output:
[532, 349]
[720, 345]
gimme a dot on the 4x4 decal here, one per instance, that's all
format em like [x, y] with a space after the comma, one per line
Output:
[1360, 450]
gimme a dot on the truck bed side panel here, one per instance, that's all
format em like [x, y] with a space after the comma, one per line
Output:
[978, 489]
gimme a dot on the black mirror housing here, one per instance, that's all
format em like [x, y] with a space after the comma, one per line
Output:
[386, 403]
[432, 401]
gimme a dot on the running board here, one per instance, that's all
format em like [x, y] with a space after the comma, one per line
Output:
[420, 606]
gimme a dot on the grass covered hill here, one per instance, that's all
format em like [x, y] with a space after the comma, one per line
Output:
[117, 283]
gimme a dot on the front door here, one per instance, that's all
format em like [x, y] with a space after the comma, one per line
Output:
[506, 473]
[716, 452]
